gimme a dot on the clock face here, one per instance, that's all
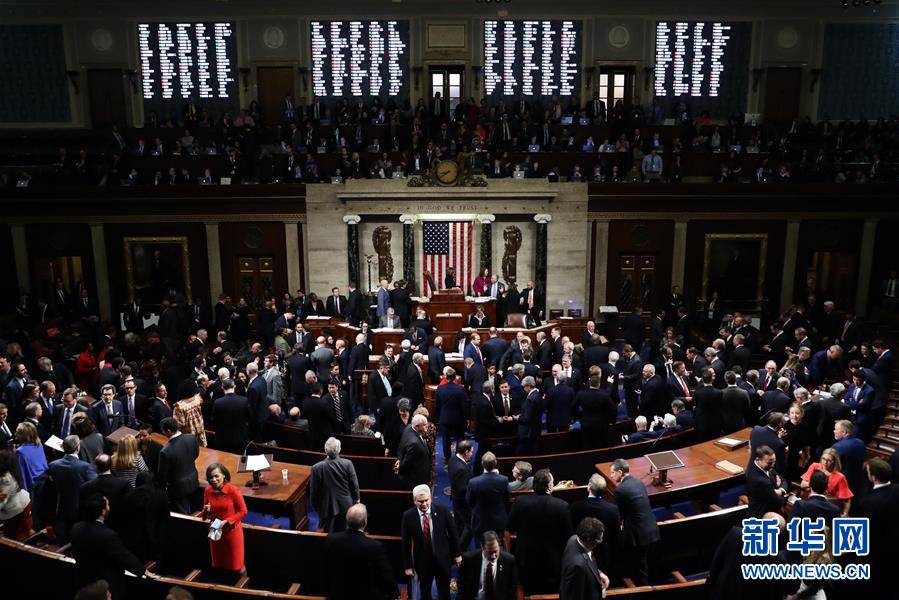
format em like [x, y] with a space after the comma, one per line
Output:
[447, 171]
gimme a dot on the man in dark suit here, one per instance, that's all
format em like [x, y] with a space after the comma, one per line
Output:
[735, 405]
[596, 506]
[257, 397]
[597, 412]
[336, 304]
[379, 386]
[370, 574]
[230, 416]
[764, 487]
[460, 473]
[158, 408]
[880, 506]
[436, 359]
[68, 474]
[707, 408]
[414, 460]
[529, 420]
[500, 572]
[58, 373]
[356, 305]
[132, 403]
[654, 399]
[494, 348]
[581, 578]
[451, 410]
[489, 500]
[639, 529]
[177, 473]
[545, 355]
[401, 302]
[322, 418]
[559, 404]
[6, 433]
[816, 504]
[543, 526]
[741, 354]
[105, 484]
[107, 412]
[334, 487]
[63, 414]
[777, 399]
[99, 551]
[630, 376]
[770, 435]
[133, 316]
[413, 384]
[832, 410]
[430, 543]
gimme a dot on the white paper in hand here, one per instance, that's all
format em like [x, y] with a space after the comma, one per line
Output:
[55, 443]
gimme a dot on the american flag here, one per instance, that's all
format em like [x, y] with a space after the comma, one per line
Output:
[447, 244]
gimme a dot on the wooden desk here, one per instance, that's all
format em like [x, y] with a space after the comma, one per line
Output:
[317, 326]
[441, 303]
[697, 477]
[280, 497]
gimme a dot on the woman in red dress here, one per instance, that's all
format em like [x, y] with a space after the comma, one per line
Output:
[88, 367]
[224, 501]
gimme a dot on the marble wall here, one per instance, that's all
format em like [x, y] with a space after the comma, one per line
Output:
[511, 201]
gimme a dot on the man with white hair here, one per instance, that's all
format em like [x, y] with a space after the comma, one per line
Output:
[390, 320]
[768, 381]
[832, 409]
[334, 487]
[357, 363]
[654, 399]
[779, 399]
[642, 434]
[430, 543]
[414, 383]
[413, 464]
[529, 421]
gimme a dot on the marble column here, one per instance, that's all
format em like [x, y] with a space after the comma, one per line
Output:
[679, 253]
[865, 258]
[20, 253]
[214, 260]
[541, 248]
[101, 272]
[352, 245]
[601, 289]
[292, 250]
[788, 278]
[408, 221]
[486, 247]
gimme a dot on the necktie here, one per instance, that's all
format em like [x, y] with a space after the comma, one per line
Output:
[387, 386]
[856, 394]
[506, 406]
[337, 304]
[531, 299]
[65, 422]
[85, 302]
[49, 403]
[337, 411]
[488, 582]
[683, 384]
[131, 409]
[480, 356]
[6, 431]
[426, 529]
[196, 312]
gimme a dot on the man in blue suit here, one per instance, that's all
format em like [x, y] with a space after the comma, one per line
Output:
[473, 350]
[559, 403]
[257, 396]
[107, 412]
[494, 348]
[861, 397]
[68, 473]
[822, 362]
[771, 435]
[852, 453]
[475, 375]
[488, 498]
[451, 410]
[529, 421]
[436, 359]
[383, 299]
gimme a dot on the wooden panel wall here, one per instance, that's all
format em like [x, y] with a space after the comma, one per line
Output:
[252, 239]
[639, 237]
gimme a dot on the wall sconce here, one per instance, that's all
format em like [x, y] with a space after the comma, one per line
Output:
[816, 75]
[757, 78]
[73, 79]
[245, 78]
[649, 73]
[304, 72]
[417, 72]
[476, 71]
[131, 75]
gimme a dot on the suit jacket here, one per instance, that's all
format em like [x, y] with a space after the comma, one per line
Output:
[413, 386]
[383, 302]
[529, 420]
[735, 406]
[377, 392]
[545, 355]
[356, 307]
[488, 497]
[707, 411]
[639, 526]
[357, 567]
[654, 399]
[485, 422]
[580, 575]
[761, 492]
[632, 331]
[776, 400]
[386, 321]
[322, 420]
[813, 507]
[334, 486]
[832, 410]
[543, 527]
[100, 554]
[177, 473]
[415, 459]
[444, 541]
[107, 423]
[596, 408]
[331, 309]
[436, 362]
[474, 353]
[559, 405]
[322, 359]
[59, 412]
[475, 377]
[297, 365]
[505, 576]
[114, 488]
[68, 473]
[741, 357]
[765, 436]
[493, 350]
[157, 411]
[230, 417]
[605, 511]
[257, 396]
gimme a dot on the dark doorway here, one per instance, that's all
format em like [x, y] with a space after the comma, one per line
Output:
[106, 93]
[448, 80]
[273, 83]
[616, 83]
[782, 93]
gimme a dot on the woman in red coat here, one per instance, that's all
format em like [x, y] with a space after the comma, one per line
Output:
[224, 501]
[88, 367]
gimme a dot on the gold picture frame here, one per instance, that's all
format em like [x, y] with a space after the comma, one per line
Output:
[142, 274]
[735, 244]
